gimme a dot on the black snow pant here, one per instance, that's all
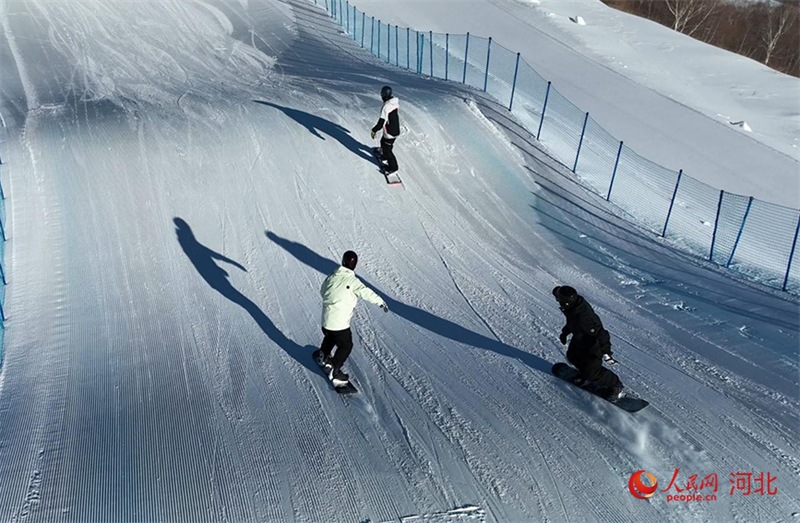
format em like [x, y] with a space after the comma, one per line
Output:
[589, 362]
[386, 154]
[342, 340]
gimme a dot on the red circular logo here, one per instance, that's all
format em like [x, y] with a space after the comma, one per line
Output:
[637, 486]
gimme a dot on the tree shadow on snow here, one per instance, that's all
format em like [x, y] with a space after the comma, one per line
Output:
[424, 319]
[317, 125]
[205, 261]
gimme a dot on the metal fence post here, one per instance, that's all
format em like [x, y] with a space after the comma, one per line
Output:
[372, 36]
[514, 84]
[741, 228]
[431, 50]
[397, 45]
[2, 231]
[614, 174]
[379, 38]
[580, 143]
[388, 43]
[791, 254]
[347, 14]
[446, 54]
[408, 48]
[466, 54]
[3, 274]
[671, 203]
[544, 109]
[488, 54]
[420, 47]
[363, 17]
[716, 226]
[2, 312]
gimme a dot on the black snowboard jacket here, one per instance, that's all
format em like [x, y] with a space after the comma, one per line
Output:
[586, 328]
[389, 120]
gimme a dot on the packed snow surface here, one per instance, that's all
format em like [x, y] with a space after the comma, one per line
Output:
[181, 178]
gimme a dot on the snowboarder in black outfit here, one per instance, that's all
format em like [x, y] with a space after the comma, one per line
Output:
[389, 122]
[590, 342]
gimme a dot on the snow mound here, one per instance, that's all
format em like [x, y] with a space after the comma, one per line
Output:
[743, 125]
[467, 513]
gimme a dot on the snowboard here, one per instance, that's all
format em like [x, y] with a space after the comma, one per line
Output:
[627, 402]
[391, 179]
[345, 389]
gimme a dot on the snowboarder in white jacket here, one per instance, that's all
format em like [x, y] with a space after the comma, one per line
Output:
[389, 123]
[340, 292]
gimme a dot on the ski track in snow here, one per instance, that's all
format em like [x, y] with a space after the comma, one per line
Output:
[179, 192]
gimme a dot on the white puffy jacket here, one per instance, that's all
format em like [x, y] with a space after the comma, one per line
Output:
[340, 292]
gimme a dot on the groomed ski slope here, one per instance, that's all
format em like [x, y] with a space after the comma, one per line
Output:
[181, 178]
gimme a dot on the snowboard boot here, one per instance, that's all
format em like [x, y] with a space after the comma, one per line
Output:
[580, 381]
[615, 393]
[338, 377]
[323, 359]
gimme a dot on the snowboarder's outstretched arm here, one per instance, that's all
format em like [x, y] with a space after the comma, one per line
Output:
[225, 259]
[379, 125]
[367, 294]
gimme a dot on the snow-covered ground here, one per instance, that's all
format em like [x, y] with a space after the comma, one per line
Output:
[181, 178]
[674, 100]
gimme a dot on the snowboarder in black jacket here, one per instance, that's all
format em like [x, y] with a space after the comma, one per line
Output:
[389, 124]
[590, 342]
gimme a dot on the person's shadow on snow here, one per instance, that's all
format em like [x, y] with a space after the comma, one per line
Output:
[424, 319]
[317, 125]
[205, 261]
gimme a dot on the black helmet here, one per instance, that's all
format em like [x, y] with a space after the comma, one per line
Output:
[565, 295]
[349, 260]
[386, 92]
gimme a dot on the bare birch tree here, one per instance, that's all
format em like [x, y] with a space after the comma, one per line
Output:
[690, 15]
[780, 18]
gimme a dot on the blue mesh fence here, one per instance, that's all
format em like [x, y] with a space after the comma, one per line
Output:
[643, 189]
[439, 46]
[529, 97]
[476, 71]
[502, 64]
[693, 215]
[733, 213]
[456, 46]
[598, 154]
[3, 160]
[792, 276]
[768, 226]
[754, 237]
[562, 127]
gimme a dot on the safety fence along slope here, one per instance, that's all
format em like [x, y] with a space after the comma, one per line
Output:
[753, 237]
[3, 157]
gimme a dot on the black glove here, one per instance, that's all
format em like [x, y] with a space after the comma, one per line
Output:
[385, 308]
[563, 338]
